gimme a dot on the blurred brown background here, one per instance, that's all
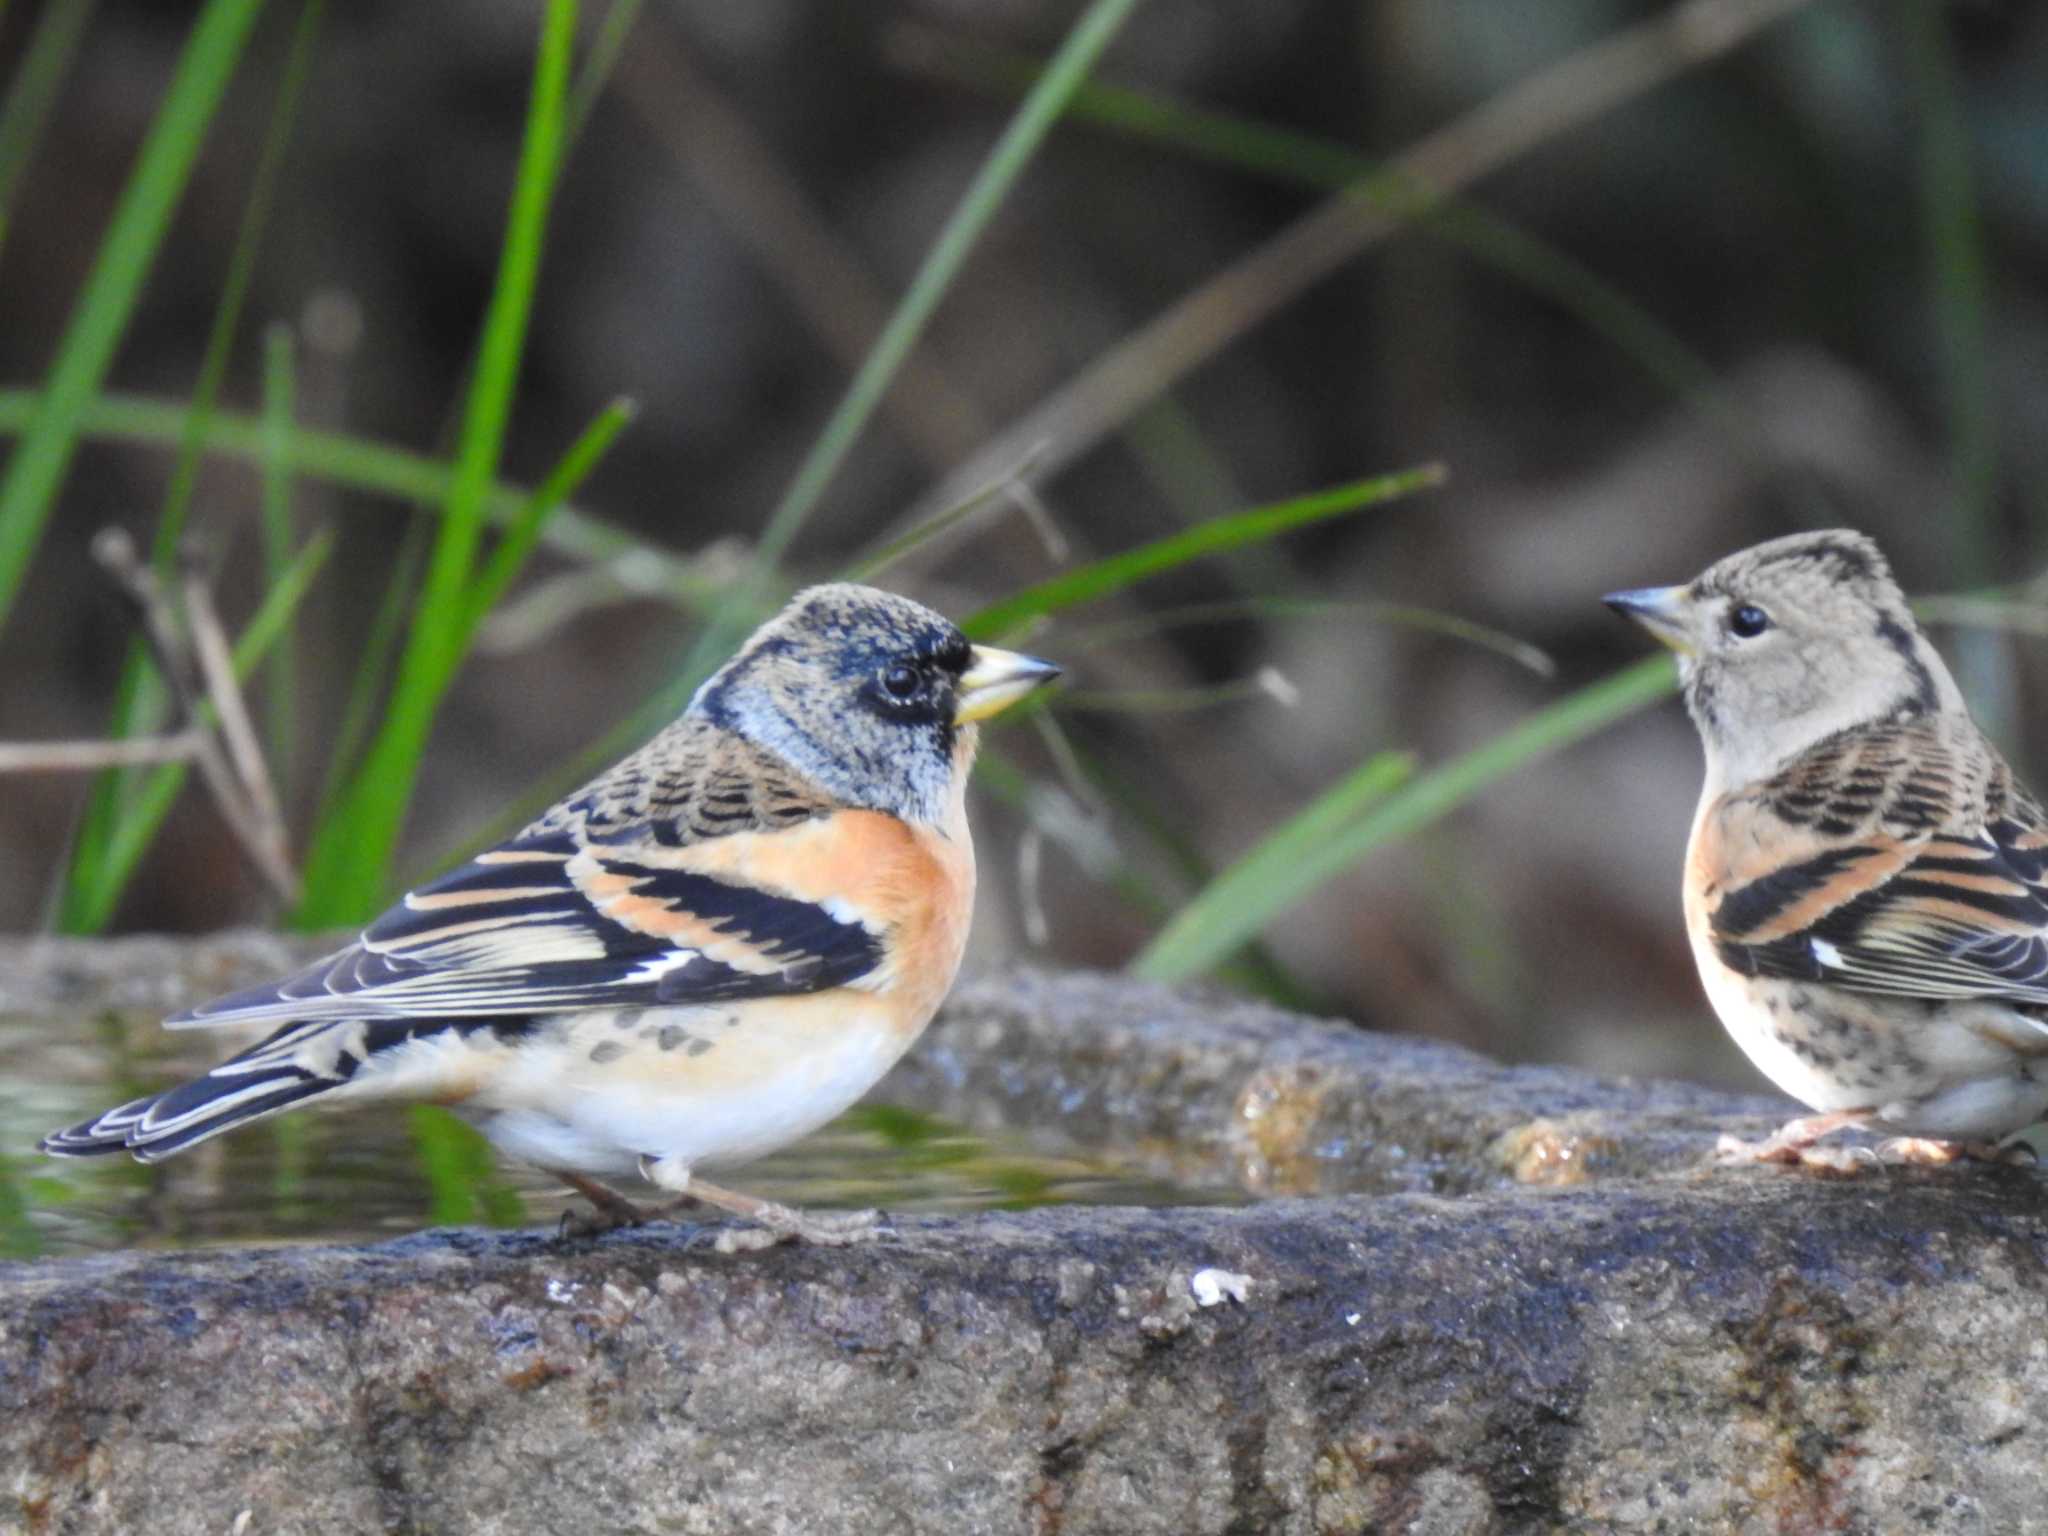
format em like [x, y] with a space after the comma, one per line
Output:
[757, 173]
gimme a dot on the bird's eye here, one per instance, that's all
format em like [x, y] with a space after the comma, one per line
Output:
[1746, 621]
[901, 681]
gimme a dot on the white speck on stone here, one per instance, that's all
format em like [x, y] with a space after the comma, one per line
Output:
[1212, 1286]
[562, 1290]
[1351, 1319]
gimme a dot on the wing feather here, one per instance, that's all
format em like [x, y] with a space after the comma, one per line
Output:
[550, 923]
[1928, 879]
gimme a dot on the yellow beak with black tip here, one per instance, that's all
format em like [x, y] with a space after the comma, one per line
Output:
[994, 680]
[1665, 612]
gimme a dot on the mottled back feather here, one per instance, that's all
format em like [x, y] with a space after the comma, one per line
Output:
[1900, 858]
[694, 780]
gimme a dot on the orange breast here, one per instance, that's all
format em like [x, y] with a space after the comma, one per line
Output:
[913, 884]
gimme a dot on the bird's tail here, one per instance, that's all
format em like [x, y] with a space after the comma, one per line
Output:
[288, 1067]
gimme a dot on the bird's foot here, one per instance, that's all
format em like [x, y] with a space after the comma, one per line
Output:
[1793, 1145]
[609, 1210]
[772, 1222]
[1925, 1152]
[1733, 1151]
[782, 1224]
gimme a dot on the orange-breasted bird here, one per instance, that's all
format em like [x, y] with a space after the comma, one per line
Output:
[1866, 888]
[701, 955]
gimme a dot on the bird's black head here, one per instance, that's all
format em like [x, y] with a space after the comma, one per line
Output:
[869, 695]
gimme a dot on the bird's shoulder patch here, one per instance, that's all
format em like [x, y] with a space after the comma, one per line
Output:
[693, 782]
[1904, 777]
[1948, 904]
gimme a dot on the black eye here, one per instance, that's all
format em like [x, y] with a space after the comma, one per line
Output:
[1747, 621]
[901, 681]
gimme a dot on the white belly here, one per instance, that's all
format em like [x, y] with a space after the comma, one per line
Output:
[1949, 1073]
[747, 1088]
[1738, 1002]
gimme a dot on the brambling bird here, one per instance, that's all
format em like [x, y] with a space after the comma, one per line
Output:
[703, 954]
[1866, 888]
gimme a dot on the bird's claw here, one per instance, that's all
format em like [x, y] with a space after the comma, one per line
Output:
[1926, 1152]
[1792, 1152]
[578, 1225]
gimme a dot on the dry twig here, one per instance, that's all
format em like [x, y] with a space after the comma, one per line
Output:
[264, 819]
[198, 671]
[91, 756]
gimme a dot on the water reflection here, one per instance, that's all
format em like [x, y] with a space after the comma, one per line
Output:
[380, 1171]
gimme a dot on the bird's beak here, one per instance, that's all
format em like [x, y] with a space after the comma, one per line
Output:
[994, 680]
[1665, 612]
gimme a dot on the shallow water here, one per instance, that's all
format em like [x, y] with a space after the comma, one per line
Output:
[379, 1171]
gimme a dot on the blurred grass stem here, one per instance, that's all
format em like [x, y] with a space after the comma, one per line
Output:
[985, 194]
[36, 470]
[1548, 104]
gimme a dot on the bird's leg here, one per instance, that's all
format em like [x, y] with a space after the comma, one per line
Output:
[1793, 1141]
[611, 1209]
[780, 1223]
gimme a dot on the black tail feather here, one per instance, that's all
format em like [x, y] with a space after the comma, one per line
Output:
[301, 1060]
[156, 1127]
[267, 1077]
[105, 1132]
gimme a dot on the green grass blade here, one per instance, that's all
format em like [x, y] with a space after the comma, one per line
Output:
[33, 92]
[1105, 577]
[373, 669]
[524, 532]
[139, 695]
[1189, 946]
[1231, 910]
[1955, 252]
[35, 473]
[235, 289]
[511, 553]
[273, 617]
[435, 646]
[18, 1236]
[281, 677]
[143, 812]
[290, 1162]
[1020, 140]
[1952, 234]
[891, 552]
[349, 862]
[19, 1240]
[460, 1172]
[599, 59]
[582, 457]
[359, 464]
